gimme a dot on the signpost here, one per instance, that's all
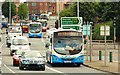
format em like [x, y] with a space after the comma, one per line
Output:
[105, 31]
[71, 22]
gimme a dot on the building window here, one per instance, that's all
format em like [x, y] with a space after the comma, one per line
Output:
[34, 4]
[45, 4]
[34, 11]
[41, 3]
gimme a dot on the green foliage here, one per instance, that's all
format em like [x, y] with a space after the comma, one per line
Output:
[23, 10]
[5, 9]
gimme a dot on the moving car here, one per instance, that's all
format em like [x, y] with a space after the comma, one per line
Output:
[44, 24]
[16, 56]
[12, 31]
[32, 60]
[25, 27]
[19, 42]
[44, 16]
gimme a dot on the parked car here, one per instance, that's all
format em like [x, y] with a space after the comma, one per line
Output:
[19, 42]
[16, 56]
[32, 60]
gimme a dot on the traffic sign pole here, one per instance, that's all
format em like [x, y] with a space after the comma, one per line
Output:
[91, 43]
[105, 43]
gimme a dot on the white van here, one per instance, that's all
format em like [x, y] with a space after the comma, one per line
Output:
[19, 43]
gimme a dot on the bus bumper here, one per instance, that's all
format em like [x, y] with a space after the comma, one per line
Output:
[77, 60]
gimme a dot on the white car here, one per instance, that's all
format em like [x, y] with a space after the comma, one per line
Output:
[12, 31]
[19, 43]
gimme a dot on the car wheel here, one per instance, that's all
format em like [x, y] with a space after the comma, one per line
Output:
[43, 69]
[8, 46]
[11, 54]
[14, 63]
[20, 67]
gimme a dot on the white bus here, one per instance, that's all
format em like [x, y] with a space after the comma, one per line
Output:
[64, 46]
[35, 29]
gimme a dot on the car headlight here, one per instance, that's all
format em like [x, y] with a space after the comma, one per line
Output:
[25, 61]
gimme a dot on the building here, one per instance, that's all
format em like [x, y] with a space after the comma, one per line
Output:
[46, 7]
[41, 7]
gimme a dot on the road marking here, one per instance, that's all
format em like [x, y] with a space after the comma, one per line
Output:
[9, 68]
[2, 45]
[53, 69]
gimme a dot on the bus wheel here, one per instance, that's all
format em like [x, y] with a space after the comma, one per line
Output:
[53, 65]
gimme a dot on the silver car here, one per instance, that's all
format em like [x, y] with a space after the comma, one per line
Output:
[32, 60]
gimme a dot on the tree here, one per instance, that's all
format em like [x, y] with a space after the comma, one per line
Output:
[23, 10]
[5, 9]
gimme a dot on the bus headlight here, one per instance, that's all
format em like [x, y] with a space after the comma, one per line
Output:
[55, 58]
[80, 58]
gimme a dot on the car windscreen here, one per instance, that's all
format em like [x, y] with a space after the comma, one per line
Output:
[20, 42]
[32, 54]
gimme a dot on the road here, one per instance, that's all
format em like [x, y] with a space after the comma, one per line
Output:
[38, 44]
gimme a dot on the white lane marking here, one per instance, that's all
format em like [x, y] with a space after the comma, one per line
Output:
[53, 69]
[9, 68]
[2, 45]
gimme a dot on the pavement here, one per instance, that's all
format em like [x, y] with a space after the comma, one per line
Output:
[102, 65]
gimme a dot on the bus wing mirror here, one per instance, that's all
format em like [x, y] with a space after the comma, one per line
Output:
[47, 45]
[50, 40]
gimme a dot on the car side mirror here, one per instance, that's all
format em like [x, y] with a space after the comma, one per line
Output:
[47, 28]
[29, 43]
[50, 40]
[47, 45]
[85, 42]
[43, 56]
[6, 32]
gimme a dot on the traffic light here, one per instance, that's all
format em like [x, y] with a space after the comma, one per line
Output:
[114, 22]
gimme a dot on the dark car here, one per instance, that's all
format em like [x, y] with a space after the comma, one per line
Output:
[32, 60]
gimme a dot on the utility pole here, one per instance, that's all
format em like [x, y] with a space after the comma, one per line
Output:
[77, 8]
[10, 12]
[91, 41]
[58, 13]
[114, 25]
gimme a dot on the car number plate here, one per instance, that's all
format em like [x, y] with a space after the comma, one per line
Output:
[67, 61]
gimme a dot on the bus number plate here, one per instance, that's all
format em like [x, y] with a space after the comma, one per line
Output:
[67, 61]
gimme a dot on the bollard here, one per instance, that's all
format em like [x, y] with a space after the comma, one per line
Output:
[100, 55]
[110, 56]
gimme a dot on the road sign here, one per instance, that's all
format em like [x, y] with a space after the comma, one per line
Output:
[105, 30]
[71, 22]
[86, 30]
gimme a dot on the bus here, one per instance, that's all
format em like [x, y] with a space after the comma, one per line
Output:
[35, 29]
[64, 46]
